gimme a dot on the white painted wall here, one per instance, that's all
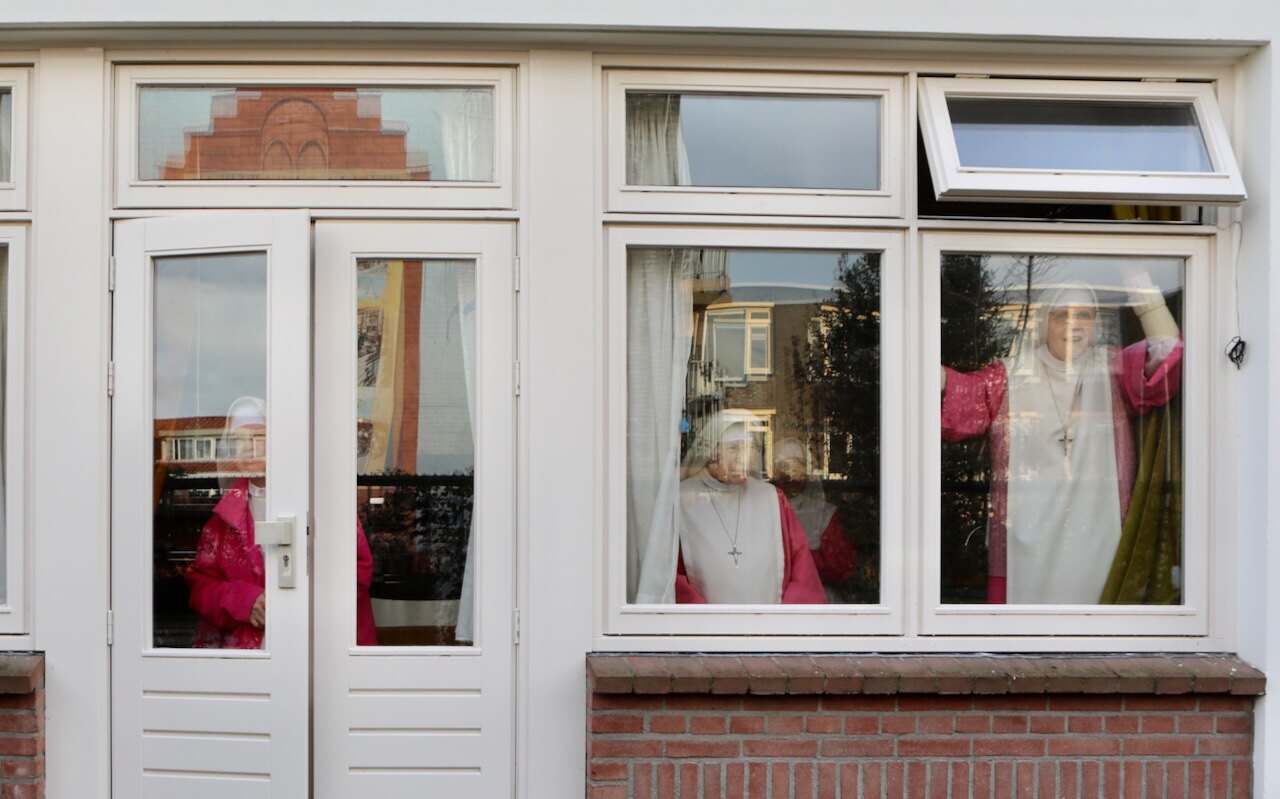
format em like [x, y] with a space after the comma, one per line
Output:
[68, 418]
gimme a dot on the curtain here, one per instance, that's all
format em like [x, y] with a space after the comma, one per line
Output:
[656, 154]
[466, 132]
[1150, 549]
[659, 342]
[464, 277]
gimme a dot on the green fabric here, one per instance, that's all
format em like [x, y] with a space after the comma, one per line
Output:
[1150, 547]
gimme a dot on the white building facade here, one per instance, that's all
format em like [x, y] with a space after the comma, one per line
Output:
[463, 338]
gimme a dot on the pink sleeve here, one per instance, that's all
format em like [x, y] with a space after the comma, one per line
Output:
[835, 557]
[971, 401]
[800, 582]
[686, 594]
[220, 601]
[997, 590]
[1141, 391]
[366, 626]
[364, 560]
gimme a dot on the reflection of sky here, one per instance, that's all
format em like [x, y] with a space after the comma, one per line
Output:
[1104, 274]
[801, 275]
[796, 142]
[210, 332]
[165, 114]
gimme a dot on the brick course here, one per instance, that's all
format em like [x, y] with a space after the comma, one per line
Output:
[831, 727]
[21, 726]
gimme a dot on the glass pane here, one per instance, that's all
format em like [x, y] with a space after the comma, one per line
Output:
[759, 348]
[315, 133]
[6, 137]
[764, 141]
[210, 380]
[762, 489]
[415, 462]
[1074, 134]
[1061, 423]
[4, 386]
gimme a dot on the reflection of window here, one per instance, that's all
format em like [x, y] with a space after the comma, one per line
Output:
[737, 341]
[202, 448]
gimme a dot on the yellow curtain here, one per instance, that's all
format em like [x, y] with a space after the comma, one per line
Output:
[381, 456]
[1150, 548]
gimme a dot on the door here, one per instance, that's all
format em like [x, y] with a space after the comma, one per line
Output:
[210, 427]
[415, 414]
[309, 609]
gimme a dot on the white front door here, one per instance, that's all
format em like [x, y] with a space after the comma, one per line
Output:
[374, 653]
[210, 427]
[415, 414]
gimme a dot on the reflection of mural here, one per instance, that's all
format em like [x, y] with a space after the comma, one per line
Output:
[296, 133]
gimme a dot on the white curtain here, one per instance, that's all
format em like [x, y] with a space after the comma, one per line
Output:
[466, 293]
[466, 132]
[656, 154]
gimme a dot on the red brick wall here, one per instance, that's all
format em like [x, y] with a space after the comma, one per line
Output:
[725, 740]
[21, 726]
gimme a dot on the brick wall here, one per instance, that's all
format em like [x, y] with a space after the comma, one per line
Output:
[691, 727]
[21, 726]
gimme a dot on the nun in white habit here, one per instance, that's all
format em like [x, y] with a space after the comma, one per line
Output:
[740, 542]
[1056, 414]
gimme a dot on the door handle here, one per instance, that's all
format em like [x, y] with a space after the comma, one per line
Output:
[280, 534]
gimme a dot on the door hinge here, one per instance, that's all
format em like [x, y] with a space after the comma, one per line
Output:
[517, 378]
[111, 378]
[516, 277]
[111, 627]
[111, 274]
[515, 627]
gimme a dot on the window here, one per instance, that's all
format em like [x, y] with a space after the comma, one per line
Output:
[315, 136]
[12, 430]
[911, 435]
[748, 143]
[746, 353]
[1099, 142]
[1069, 474]
[14, 122]
[737, 343]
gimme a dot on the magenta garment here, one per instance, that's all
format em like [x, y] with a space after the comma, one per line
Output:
[835, 558]
[800, 582]
[977, 403]
[226, 578]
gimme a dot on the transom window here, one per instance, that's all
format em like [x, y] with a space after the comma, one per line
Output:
[355, 136]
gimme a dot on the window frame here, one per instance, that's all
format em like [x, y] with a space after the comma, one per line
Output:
[886, 201]
[14, 194]
[953, 181]
[882, 619]
[498, 194]
[13, 610]
[1205, 545]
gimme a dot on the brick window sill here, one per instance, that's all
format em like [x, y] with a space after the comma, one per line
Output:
[921, 674]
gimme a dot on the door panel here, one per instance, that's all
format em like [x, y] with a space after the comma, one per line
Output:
[211, 351]
[414, 437]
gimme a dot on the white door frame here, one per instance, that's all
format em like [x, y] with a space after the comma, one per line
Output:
[207, 722]
[415, 721]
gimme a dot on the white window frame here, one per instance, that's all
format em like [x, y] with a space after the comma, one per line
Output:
[14, 193]
[1206, 546]
[13, 611]
[885, 618]
[498, 194]
[886, 201]
[953, 181]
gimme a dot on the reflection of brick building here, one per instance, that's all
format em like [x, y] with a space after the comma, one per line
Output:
[296, 133]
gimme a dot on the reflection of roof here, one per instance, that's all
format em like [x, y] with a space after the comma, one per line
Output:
[190, 424]
[779, 294]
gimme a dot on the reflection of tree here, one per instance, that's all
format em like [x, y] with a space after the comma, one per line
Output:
[840, 374]
[974, 334]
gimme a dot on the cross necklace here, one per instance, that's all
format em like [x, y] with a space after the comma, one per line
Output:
[1069, 420]
[733, 539]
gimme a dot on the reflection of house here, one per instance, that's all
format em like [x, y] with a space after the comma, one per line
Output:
[188, 445]
[296, 133]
